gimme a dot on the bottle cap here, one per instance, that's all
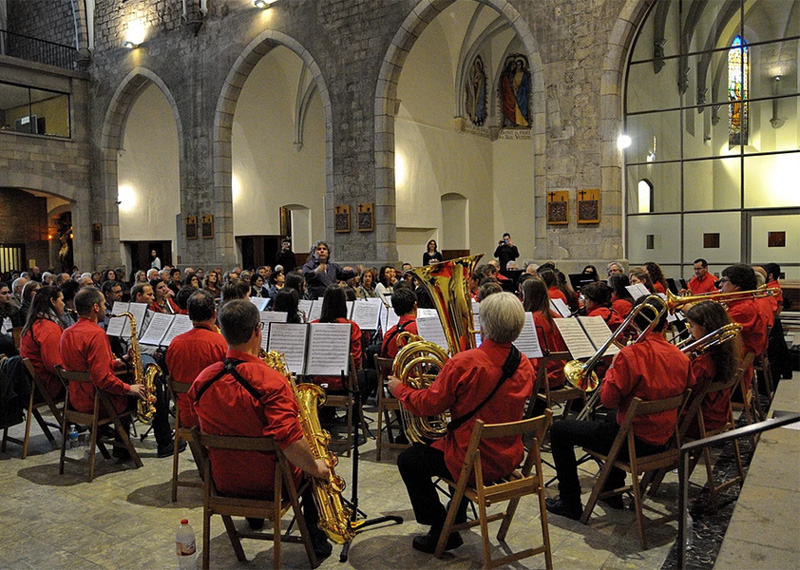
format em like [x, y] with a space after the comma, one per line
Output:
[184, 521]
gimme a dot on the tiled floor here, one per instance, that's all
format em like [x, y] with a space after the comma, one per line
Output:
[124, 519]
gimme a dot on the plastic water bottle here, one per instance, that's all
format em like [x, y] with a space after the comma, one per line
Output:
[185, 547]
[73, 443]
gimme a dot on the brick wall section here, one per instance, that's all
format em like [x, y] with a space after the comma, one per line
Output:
[23, 220]
[50, 20]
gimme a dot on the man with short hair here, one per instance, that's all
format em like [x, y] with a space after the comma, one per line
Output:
[10, 317]
[703, 281]
[505, 252]
[175, 281]
[16, 291]
[152, 273]
[614, 267]
[286, 256]
[242, 396]
[490, 383]
[404, 304]
[85, 280]
[112, 291]
[62, 278]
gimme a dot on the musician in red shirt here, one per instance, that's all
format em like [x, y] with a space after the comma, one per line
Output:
[651, 369]
[597, 300]
[703, 281]
[334, 310]
[536, 301]
[41, 336]
[242, 396]
[469, 386]
[193, 351]
[404, 303]
[621, 300]
[550, 279]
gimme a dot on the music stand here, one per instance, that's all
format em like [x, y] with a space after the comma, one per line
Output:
[353, 502]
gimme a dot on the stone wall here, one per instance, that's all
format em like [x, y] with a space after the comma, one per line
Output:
[23, 220]
[50, 20]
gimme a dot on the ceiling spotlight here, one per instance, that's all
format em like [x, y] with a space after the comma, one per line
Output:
[623, 142]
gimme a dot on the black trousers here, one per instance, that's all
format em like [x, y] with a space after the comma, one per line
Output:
[418, 466]
[597, 436]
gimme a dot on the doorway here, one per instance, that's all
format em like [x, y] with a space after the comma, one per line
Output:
[258, 250]
[140, 253]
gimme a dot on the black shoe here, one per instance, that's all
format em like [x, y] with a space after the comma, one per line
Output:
[254, 523]
[319, 542]
[427, 542]
[614, 502]
[120, 453]
[401, 439]
[461, 518]
[563, 508]
[169, 449]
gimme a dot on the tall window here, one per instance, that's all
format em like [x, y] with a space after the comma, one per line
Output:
[738, 86]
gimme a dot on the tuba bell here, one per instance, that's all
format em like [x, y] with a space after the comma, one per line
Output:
[419, 362]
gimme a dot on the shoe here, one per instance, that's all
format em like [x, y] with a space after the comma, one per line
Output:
[427, 542]
[319, 542]
[461, 518]
[169, 449]
[254, 523]
[120, 453]
[614, 502]
[563, 508]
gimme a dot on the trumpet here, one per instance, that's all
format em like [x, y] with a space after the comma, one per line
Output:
[676, 302]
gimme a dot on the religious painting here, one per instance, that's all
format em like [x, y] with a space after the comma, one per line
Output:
[515, 92]
[97, 233]
[558, 207]
[738, 91]
[589, 206]
[776, 239]
[207, 226]
[191, 227]
[475, 92]
[341, 218]
[365, 219]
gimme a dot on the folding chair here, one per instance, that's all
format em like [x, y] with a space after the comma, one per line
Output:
[181, 434]
[227, 507]
[386, 404]
[16, 335]
[552, 397]
[750, 404]
[348, 401]
[515, 486]
[94, 421]
[55, 405]
[634, 464]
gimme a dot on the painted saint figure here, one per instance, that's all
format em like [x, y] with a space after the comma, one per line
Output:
[515, 90]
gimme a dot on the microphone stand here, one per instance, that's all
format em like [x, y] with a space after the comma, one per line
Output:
[355, 391]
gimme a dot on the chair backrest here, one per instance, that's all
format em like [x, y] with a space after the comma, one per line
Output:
[234, 442]
[16, 334]
[382, 365]
[179, 387]
[73, 375]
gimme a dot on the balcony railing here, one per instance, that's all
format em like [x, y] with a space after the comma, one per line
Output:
[39, 51]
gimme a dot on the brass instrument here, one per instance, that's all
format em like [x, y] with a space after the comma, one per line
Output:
[676, 302]
[335, 519]
[720, 336]
[145, 409]
[581, 374]
[418, 363]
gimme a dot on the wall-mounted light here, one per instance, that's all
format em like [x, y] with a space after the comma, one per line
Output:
[135, 34]
[263, 4]
[776, 121]
[623, 142]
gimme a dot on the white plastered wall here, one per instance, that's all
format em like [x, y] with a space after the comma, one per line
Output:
[148, 172]
[268, 171]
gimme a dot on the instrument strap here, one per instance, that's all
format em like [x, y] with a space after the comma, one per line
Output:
[229, 368]
[398, 329]
[509, 368]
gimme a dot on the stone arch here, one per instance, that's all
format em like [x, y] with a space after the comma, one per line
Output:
[223, 129]
[612, 92]
[25, 180]
[111, 137]
[386, 96]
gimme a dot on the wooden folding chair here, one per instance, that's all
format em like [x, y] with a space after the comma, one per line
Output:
[94, 421]
[16, 335]
[348, 402]
[634, 464]
[515, 486]
[557, 396]
[750, 404]
[227, 507]
[55, 405]
[181, 434]
[386, 404]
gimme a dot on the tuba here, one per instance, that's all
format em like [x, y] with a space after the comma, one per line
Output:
[145, 409]
[334, 517]
[419, 362]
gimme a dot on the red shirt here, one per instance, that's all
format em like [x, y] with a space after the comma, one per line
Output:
[227, 408]
[622, 307]
[704, 285]
[767, 306]
[84, 346]
[187, 356]
[389, 348]
[716, 405]
[652, 369]
[556, 293]
[754, 330]
[334, 383]
[553, 342]
[40, 346]
[169, 307]
[659, 288]
[610, 316]
[464, 382]
[779, 296]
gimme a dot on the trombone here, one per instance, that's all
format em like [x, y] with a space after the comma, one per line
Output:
[676, 302]
[723, 334]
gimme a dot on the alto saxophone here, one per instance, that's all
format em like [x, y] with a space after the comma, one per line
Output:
[145, 409]
[335, 518]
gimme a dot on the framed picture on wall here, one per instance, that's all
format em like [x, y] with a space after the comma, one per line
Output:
[191, 227]
[97, 233]
[558, 208]
[341, 218]
[365, 218]
[589, 206]
[208, 226]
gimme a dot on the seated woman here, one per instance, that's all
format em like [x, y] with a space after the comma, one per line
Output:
[385, 286]
[28, 292]
[212, 284]
[41, 336]
[716, 364]
[597, 300]
[639, 276]
[366, 288]
[589, 272]
[536, 300]
[551, 280]
[276, 281]
[621, 300]
[656, 276]
[162, 303]
[286, 301]
[257, 286]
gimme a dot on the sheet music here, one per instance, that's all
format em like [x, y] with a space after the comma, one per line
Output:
[268, 317]
[389, 318]
[598, 332]
[290, 340]
[315, 312]
[560, 307]
[158, 327]
[259, 302]
[671, 317]
[6, 325]
[328, 349]
[180, 325]
[304, 306]
[430, 328]
[366, 313]
[117, 324]
[139, 311]
[575, 338]
[528, 341]
[476, 309]
[637, 290]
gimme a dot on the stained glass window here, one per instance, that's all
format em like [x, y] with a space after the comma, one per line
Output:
[738, 85]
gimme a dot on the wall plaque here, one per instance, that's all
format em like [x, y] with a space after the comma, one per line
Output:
[365, 217]
[341, 218]
[191, 227]
[589, 206]
[97, 233]
[207, 227]
[558, 207]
